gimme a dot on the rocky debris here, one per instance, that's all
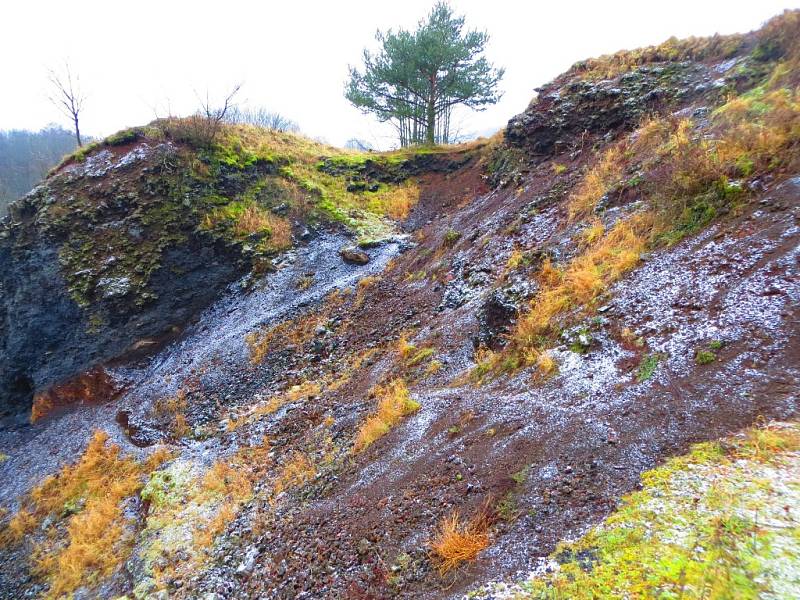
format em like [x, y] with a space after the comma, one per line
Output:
[498, 312]
[354, 256]
[563, 111]
[552, 455]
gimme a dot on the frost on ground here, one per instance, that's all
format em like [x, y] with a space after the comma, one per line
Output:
[722, 521]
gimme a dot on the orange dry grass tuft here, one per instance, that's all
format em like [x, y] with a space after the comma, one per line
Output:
[394, 402]
[90, 495]
[207, 531]
[230, 483]
[246, 218]
[20, 524]
[254, 219]
[296, 471]
[593, 232]
[596, 183]
[225, 479]
[296, 392]
[581, 282]
[294, 331]
[395, 202]
[457, 542]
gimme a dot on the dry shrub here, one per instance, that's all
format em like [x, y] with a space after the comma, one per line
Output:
[296, 471]
[779, 39]
[394, 403]
[581, 281]
[196, 130]
[89, 494]
[597, 182]
[458, 541]
[395, 202]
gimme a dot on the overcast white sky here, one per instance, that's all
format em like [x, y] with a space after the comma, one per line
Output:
[140, 58]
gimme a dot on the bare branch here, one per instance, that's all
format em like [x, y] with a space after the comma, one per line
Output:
[67, 96]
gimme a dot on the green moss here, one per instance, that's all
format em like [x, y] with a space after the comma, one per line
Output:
[704, 357]
[451, 236]
[647, 367]
[419, 356]
[695, 530]
[692, 219]
[205, 191]
[126, 136]
[167, 487]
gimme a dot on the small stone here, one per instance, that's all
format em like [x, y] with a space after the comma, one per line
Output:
[354, 256]
[364, 546]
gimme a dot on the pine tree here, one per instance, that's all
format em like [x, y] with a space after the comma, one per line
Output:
[416, 78]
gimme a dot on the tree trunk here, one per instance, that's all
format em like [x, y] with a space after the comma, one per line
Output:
[430, 132]
[77, 131]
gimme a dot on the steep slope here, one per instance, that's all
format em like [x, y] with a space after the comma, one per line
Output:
[611, 280]
[128, 240]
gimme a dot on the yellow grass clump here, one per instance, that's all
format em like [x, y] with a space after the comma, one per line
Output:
[296, 331]
[394, 202]
[394, 403]
[583, 279]
[514, 260]
[296, 471]
[596, 183]
[89, 495]
[404, 347]
[458, 541]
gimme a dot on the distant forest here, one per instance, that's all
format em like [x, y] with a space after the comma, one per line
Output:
[27, 156]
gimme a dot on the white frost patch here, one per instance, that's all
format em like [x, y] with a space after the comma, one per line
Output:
[766, 494]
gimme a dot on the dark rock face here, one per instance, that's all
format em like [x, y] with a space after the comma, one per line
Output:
[105, 253]
[46, 337]
[499, 311]
[565, 110]
[367, 175]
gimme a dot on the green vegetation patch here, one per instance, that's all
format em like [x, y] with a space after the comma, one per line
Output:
[648, 367]
[718, 522]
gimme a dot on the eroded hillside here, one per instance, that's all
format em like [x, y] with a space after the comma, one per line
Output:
[262, 367]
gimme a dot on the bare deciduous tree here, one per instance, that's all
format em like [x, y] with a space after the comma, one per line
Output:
[214, 116]
[262, 117]
[67, 96]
